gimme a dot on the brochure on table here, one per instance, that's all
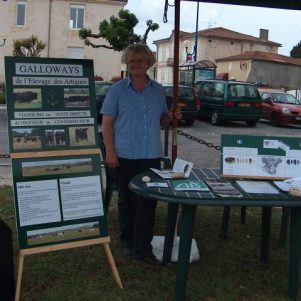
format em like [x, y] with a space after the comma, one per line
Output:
[54, 146]
[257, 187]
[189, 185]
[181, 169]
[223, 188]
[260, 157]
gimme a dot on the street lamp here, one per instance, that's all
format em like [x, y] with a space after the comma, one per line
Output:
[193, 55]
[188, 55]
[3, 43]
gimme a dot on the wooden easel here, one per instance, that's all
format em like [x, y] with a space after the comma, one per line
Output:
[103, 240]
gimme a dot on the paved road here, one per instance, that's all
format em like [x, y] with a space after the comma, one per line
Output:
[203, 156]
[189, 150]
[3, 131]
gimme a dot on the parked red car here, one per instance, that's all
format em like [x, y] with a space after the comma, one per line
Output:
[281, 108]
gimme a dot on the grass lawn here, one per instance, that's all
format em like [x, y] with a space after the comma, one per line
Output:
[228, 269]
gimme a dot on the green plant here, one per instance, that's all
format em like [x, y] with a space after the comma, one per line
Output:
[296, 51]
[2, 98]
[31, 47]
[118, 32]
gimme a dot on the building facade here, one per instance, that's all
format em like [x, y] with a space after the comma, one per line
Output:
[57, 23]
[268, 69]
[213, 43]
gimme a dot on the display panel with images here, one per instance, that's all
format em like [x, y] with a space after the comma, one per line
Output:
[260, 156]
[54, 146]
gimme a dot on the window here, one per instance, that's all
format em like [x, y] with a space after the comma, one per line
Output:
[77, 16]
[75, 53]
[21, 9]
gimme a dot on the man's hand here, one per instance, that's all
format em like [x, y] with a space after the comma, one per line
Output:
[111, 160]
[166, 118]
[178, 114]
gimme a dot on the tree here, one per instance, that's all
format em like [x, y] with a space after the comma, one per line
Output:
[119, 32]
[296, 51]
[28, 47]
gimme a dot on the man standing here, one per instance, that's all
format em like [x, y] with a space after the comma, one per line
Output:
[133, 112]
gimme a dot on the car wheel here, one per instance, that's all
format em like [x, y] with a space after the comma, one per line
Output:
[189, 121]
[275, 119]
[215, 118]
[251, 122]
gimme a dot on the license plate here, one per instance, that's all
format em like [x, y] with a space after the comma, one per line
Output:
[181, 104]
[244, 105]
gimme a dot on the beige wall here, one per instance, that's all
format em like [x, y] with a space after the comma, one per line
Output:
[106, 62]
[234, 69]
[213, 50]
[272, 74]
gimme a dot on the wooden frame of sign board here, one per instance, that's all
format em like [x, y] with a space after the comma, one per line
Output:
[55, 157]
[260, 157]
[68, 245]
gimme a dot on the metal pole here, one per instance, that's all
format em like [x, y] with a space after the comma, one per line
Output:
[196, 34]
[175, 80]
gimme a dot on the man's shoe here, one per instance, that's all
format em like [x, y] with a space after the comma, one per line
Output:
[150, 260]
[128, 251]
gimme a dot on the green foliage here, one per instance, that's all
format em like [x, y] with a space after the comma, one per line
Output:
[2, 94]
[296, 51]
[2, 97]
[31, 47]
[118, 32]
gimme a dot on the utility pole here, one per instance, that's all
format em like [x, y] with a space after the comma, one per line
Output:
[195, 49]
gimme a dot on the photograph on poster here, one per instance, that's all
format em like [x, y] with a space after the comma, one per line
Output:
[80, 136]
[26, 138]
[76, 97]
[55, 137]
[70, 232]
[27, 98]
[54, 167]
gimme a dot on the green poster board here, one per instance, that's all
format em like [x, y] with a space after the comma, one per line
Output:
[54, 146]
[267, 157]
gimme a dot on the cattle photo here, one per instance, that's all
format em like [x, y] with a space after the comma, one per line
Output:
[70, 232]
[27, 98]
[55, 167]
[76, 97]
[80, 136]
[26, 138]
[55, 137]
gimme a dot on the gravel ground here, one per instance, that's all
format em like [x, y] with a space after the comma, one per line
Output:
[5, 175]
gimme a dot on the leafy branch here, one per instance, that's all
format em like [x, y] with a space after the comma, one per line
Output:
[118, 32]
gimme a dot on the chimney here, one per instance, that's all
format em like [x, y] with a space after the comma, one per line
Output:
[264, 34]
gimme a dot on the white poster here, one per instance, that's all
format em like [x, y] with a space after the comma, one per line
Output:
[38, 202]
[81, 197]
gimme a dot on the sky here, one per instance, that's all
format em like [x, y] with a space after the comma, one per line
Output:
[284, 25]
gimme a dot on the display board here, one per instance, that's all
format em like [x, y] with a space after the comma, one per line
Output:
[267, 157]
[53, 139]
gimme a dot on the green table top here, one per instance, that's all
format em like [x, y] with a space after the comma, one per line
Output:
[208, 198]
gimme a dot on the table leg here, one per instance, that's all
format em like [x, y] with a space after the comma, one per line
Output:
[265, 233]
[284, 227]
[225, 222]
[172, 211]
[295, 248]
[186, 233]
[243, 211]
